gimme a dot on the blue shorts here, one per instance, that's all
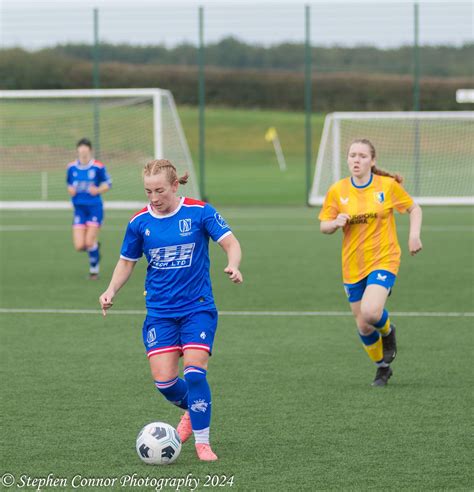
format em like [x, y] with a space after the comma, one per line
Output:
[193, 331]
[384, 278]
[88, 216]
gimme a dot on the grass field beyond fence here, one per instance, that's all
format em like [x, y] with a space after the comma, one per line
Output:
[241, 167]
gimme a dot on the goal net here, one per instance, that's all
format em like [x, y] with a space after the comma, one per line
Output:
[127, 127]
[433, 151]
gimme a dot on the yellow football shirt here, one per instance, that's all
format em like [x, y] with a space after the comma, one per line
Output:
[370, 237]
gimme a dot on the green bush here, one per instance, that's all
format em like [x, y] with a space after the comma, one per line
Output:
[269, 89]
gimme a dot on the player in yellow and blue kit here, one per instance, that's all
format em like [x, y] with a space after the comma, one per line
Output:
[87, 180]
[173, 233]
[363, 205]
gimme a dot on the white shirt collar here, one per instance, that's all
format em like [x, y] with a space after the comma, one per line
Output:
[174, 212]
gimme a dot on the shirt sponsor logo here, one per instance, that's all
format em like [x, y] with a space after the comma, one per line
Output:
[81, 186]
[379, 196]
[220, 220]
[362, 218]
[169, 257]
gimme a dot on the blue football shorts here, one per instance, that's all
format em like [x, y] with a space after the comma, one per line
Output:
[384, 278]
[192, 331]
[88, 215]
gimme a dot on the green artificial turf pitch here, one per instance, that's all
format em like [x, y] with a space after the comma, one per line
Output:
[293, 408]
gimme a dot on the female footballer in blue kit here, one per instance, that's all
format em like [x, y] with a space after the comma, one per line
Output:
[173, 233]
[87, 180]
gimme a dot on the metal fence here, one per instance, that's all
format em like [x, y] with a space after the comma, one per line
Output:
[388, 26]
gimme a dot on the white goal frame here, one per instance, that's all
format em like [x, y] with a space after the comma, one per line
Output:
[156, 96]
[332, 126]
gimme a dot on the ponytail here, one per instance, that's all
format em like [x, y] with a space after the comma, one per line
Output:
[380, 172]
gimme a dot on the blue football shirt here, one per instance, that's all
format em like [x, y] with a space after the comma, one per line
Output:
[176, 247]
[82, 177]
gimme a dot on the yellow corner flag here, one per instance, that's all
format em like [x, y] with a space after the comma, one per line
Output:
[270, 134]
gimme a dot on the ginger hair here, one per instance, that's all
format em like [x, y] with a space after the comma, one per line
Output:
[375, 170]
[158, 166]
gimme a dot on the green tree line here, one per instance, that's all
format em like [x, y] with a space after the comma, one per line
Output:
[276, 89]
[436, 61]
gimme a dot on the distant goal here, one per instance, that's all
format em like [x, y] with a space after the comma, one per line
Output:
[434, 151]
[128, 128]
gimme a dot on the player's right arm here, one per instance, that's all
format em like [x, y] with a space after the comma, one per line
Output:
[71, 189]
[331, 219]
[122, 272]
[331, 226]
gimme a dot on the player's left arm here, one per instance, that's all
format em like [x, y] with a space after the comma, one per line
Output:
[414, 241]
[231, 246]
[105, 183]
[403, 202]
[98, 190]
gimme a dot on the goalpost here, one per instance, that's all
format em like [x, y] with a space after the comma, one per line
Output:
[128, 127]
[434, 151]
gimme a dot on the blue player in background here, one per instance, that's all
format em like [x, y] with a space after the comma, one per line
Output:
[173, 233]
[86, 180]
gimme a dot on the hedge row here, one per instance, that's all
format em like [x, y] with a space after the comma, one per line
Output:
[235, 88]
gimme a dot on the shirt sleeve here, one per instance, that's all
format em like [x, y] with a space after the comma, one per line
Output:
[330, 210]
[401, 200]
[104, 177]
[214, 224]
[132, 246]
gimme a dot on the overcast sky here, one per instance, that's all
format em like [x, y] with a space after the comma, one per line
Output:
[34, 24]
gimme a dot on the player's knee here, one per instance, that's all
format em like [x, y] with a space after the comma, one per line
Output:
[161, 374]
[89, 245]
[371, 314]
[194, 375]
[79, 246]
[363, 327]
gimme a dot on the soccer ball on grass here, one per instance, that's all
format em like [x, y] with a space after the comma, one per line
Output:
[158, 444]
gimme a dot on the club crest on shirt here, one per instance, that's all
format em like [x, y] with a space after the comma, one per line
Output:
[379, 196]
[91, 174]
[185, 227]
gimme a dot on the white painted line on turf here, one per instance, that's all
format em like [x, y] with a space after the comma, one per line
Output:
[256, 228]
[407, 314]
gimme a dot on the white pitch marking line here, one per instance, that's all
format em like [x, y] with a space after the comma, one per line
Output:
[256, 228]
[407, 314]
